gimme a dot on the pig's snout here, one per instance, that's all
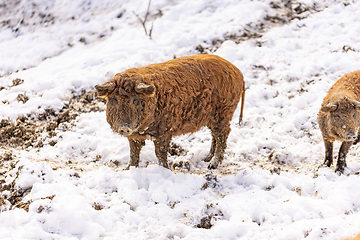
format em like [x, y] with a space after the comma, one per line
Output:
[125, 130]
[350, 136]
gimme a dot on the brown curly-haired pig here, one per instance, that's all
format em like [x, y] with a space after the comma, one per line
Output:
[168, 99]
[339, 118]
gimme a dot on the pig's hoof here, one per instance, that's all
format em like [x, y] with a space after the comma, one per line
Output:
[339, 169]
[213, 165]
[129, 166]
[327, 162]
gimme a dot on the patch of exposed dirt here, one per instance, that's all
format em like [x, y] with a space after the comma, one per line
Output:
[22, 133]
[285, 12]
[15, 82]
[97, 206]
[176, 150]
[31, 132]
[26, 131]
[11, 197]
[210, 215]
[211, 181]
[181, 166]
[31, 14]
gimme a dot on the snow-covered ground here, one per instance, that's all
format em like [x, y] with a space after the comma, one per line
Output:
[61, 166]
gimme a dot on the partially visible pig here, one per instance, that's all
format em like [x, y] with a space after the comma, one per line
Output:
[339, 118]
[168, 99]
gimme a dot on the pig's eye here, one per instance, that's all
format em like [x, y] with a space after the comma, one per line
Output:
[113, 100]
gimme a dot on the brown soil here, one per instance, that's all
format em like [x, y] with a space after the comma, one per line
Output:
[27, 132]
[285, 12]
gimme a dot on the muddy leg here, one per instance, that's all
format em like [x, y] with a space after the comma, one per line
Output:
[328, 153]
[341, 162]
[220, 135]
[135, 148]
[212, 149]
[161, 150]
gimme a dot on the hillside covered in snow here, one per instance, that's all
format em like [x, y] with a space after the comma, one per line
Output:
[61, 166]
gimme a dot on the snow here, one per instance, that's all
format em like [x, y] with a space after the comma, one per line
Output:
[271, 185]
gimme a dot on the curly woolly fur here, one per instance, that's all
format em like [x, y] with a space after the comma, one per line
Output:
[339, 118]
[167, 99]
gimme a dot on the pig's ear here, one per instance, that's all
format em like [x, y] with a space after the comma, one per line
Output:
[105, 89]
[148, 90]
[356, 104]
[328, 108]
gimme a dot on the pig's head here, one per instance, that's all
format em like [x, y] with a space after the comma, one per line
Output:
[130, 103]
[342, 118]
